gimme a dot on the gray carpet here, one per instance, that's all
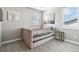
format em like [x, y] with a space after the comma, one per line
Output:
[50, 46]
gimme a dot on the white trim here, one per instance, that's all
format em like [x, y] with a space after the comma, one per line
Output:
[11, 41]
[71, 41]
[0, 32]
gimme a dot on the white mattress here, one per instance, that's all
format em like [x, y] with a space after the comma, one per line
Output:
[40, 31]
[41, 37]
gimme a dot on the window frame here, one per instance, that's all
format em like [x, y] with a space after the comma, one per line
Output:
[68, 27]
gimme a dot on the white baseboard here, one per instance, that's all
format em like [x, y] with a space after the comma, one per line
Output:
[11, 41]
[73, 42]
[66, 40]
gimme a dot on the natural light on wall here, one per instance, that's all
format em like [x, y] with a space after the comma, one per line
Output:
[71, 17]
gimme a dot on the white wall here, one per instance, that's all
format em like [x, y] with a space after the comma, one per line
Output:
[12, 29]
[70, 33]
[58, 17]
[0, 34]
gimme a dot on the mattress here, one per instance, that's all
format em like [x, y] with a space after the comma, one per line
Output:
[42, 37]
[41, 32]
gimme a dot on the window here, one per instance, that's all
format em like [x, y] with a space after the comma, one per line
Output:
[71, 17]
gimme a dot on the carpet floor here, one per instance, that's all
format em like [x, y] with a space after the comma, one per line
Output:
[50, 46]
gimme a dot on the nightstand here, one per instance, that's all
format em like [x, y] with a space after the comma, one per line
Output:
[59, 35]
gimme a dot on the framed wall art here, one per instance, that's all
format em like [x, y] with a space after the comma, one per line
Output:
[12, 15]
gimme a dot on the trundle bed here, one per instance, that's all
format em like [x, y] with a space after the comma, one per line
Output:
[36, 37]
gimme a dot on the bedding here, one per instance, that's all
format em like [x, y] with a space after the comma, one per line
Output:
[42, 39]
[36, 37]
[41, 32]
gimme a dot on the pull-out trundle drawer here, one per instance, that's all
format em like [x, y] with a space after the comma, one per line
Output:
[42, 41]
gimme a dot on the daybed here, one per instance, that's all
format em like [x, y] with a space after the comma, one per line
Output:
[36, 37]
